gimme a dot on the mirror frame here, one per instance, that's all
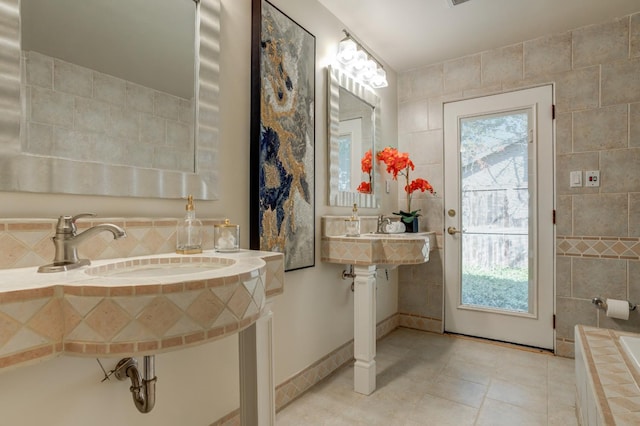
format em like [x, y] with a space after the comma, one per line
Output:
[336, 80]
[26, 172]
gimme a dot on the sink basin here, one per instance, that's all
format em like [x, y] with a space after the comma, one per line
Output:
[376, 249]
[157, 267]
[401, 236]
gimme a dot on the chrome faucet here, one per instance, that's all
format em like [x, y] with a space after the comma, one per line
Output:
[382, 221]
[67, 239]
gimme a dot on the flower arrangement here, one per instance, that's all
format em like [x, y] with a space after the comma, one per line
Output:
[366, 165]
[399, 164]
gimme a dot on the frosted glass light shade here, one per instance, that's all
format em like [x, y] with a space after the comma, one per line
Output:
[369, 70]
[347, 50]
[380, 79]
[360, 61]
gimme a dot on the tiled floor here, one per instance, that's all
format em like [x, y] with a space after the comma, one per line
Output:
[430, 379]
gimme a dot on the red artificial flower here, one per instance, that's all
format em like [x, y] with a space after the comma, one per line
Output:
[396, 162]
[387, 156]
[364, 187]
[366, 164]
[419, 184]
[402, 162]
[399, 163]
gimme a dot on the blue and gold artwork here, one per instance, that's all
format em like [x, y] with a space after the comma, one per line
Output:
[286, 151]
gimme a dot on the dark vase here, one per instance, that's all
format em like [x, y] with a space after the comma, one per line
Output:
[411, 226]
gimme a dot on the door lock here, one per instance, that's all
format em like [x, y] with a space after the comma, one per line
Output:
[452, 230]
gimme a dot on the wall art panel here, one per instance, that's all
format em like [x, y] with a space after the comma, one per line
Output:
[282, 216]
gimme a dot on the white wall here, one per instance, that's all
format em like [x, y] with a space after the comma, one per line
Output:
[312, 318]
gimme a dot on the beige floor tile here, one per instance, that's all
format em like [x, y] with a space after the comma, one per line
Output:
[458, 390]
[392, 351]
[498, 413]
[435, 353]
[399, 338]
[398, 390]
[535, 377]
[562, 370]
[430, 379]
[562, 415]
[414, 368]
[526, 359]
[369, 411]
[473, 351]
[562, 393]
[385, 361]
[520, 395]
[470, 371]
[309, 409]
[441, 412]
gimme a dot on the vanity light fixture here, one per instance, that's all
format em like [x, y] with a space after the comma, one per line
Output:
[452, 3]
[362, 65]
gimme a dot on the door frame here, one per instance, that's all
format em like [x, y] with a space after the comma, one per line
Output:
[544, 233]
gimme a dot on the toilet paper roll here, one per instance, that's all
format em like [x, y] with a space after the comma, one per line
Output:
[618, 309]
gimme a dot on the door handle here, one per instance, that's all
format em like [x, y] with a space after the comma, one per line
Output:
[452, 230]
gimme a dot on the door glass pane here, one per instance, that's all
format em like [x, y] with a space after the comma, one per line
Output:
[495, 199]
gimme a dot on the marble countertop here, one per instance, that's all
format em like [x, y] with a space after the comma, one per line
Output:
[19, 279]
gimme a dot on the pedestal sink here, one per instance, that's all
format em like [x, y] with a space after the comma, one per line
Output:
[146, 305]
[366, 253]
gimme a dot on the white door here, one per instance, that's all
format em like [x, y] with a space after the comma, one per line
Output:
[499, 234]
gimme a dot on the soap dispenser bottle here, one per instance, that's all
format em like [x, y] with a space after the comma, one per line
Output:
[353, 223]
[189, 231]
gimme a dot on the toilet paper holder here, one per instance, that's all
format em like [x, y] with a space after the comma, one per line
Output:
[602, 304]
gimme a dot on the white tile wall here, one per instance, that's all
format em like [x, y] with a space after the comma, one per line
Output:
[80, 114]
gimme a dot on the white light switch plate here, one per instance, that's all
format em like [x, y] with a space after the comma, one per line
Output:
[592, 178]
[575, 179]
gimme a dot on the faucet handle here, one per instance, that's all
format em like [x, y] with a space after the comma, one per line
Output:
[78, 216]
[67, 224]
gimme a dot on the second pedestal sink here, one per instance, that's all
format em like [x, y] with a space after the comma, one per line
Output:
[377, 249]
[366, 253]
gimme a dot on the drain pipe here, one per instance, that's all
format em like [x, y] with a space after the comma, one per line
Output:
[143, 388]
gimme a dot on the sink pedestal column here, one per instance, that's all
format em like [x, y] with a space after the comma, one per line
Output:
[365, 329]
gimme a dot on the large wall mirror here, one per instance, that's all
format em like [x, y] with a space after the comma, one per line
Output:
[117, 97]
[354, 127]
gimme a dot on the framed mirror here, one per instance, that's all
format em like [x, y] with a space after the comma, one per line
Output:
[353, 129]
[127, 108]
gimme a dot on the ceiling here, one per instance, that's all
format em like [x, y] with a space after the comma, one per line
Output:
[408, 34]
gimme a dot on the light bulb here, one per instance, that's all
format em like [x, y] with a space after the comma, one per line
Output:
[380, 79]
[369, 70]
[359, 61]
[346, 51]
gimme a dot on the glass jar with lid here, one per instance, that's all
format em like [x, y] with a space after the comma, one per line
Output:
[226, 237]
